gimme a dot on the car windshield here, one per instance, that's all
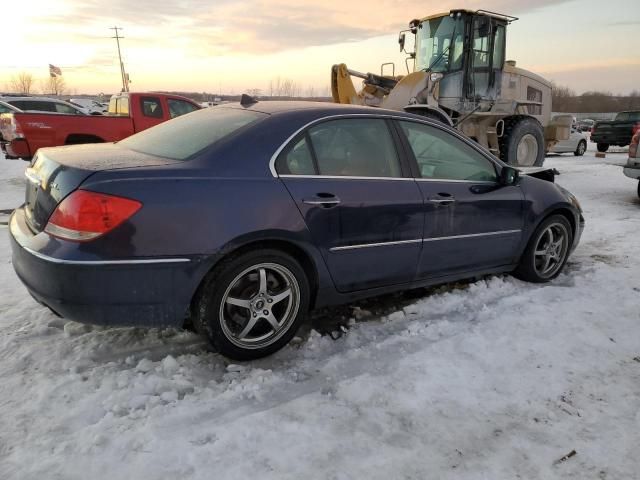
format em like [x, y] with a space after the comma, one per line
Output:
[187, 135]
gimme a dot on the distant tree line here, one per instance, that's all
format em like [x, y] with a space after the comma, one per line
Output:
[25, 83]
[564, 99]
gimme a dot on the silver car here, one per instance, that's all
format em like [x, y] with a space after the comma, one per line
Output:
[576, 144]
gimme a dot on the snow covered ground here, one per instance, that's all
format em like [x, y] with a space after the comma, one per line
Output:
[495, 379]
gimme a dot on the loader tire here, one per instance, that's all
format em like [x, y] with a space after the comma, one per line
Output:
[522, 143]
[602, 147]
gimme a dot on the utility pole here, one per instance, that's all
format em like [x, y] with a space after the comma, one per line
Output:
[123, 73]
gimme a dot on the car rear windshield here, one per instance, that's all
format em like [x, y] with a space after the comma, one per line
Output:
[189, 134]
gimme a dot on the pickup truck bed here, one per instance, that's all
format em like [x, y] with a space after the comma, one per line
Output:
[25, 132]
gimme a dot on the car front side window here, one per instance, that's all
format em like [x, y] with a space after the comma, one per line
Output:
[442, 156]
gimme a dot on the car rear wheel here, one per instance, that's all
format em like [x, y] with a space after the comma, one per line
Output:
[638, 188]
[547, 251]
[253, 304]
[582, 147]
[602, 147]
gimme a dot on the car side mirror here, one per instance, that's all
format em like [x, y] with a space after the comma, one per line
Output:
[509, 176]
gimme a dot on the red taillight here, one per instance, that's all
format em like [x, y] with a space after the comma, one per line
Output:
[85, 215]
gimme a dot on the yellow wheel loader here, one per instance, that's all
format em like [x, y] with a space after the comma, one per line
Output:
[460, 77]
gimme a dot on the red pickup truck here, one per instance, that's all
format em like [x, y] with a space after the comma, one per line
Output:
[24, 133]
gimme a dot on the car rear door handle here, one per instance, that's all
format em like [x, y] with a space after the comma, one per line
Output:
[324, 199]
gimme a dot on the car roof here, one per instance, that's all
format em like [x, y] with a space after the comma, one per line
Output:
[37, 99]
[319, 108]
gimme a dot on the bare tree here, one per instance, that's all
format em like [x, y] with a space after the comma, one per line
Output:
[311, 91]
[54, 86]
[561, 98]
[255, 92]
[23, 82]
[283, 87]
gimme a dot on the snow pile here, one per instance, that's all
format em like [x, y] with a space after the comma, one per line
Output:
[496, 379]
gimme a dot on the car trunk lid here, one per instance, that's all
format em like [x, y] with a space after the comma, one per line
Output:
[56, 172]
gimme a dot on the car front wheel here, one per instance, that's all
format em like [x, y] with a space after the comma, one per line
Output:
[253, 304]
[547, 251]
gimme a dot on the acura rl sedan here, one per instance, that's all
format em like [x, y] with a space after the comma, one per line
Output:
[240, 219]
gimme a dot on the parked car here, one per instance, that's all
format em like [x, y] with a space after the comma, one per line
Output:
[42, 104]
[617, 132]
[240, 219]
[576, 143]
[91, 107]
[128, 113]
[632, 168]
[586, 125]
[8, 108]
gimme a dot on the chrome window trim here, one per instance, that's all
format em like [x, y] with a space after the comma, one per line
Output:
[451, 180]
[440, 126]
[346, 177]
[380, 244]
[145, 261]
[422, 240]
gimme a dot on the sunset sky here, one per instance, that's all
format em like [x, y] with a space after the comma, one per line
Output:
[232, 46]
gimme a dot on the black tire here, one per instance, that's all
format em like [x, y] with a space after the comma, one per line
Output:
[217, 321]
[529, 267]
[581, 148]
[602, 147]
[515, 130]
[638, 188]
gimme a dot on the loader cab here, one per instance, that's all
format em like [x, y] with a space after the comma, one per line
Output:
[467, 48]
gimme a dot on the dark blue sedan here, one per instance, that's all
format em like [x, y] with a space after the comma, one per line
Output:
[242, 218]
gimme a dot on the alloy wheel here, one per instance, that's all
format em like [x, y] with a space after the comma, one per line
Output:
[259, 305]
[551, 250]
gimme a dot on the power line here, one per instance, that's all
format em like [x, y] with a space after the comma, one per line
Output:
[125, 77]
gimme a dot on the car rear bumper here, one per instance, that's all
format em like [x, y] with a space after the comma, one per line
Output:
[17, 148]
[136, 292]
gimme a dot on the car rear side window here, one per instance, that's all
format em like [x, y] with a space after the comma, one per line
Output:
[442, 156]
[351, 147]
[151, 107]
[185, 136]
[297, 159]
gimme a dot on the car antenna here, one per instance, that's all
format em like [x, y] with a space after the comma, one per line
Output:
[247, 100]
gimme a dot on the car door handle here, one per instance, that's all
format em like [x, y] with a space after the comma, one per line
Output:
[324, 199]
[443, 199]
